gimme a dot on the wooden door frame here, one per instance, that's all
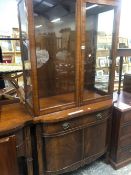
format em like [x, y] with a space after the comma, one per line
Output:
[116, 4]
[79, 60]
[34, 75]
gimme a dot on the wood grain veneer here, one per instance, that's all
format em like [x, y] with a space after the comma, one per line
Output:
[15, 140]
[65, 98]
[120, 153]
[8, 165]
[13, 117]
[63, 115]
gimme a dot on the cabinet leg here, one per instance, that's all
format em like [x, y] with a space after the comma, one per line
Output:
[39, 151]
[28, 150]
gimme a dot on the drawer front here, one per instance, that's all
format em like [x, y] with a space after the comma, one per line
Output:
[8, 161]
[125, 130]
[127, 117]
[95, 139]
[76, 122]
[124, 154]
[63, 151]
[125, 142]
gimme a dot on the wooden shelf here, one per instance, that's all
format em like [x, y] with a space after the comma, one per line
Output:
[65, 99]
[63, 115]
[11, 52]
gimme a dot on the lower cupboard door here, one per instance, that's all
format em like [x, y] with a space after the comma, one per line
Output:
[95, 139]
[63, 151]
[8, 160]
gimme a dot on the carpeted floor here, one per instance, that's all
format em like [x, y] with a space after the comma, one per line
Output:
[99, 167]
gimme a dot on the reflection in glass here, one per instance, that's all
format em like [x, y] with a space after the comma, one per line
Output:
[55, 51]
[120, 74]
[99, 27]
[25, 51]
[125, 44]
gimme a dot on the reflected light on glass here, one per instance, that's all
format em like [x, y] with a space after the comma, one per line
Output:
[47, 4]
[56, 20]
[38, 26]
[89, 55]
[92, 6]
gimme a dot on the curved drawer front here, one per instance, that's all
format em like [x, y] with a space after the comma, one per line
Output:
[127, 117]
[125, 141]
[78, 122]
[124, 153]
[63, 151]
[125, 130]
[8, 161]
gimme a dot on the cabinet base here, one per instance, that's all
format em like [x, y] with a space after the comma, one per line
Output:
[75, 166]
[120, 164]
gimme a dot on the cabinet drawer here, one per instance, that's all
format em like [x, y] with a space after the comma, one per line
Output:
[127, 117]
[8, 161]
[124, 154]
[63, 151]
[125, 130]
[75, 123]
[125, 142]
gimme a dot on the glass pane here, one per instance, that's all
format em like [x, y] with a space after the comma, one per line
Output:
[121, 74]
[125, 26]
[99, 27]
[125, 45]
[55, 50]
[25, 51]
[116, 80]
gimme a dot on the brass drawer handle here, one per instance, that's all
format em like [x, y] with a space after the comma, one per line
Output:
[66, 125]
[99, 116]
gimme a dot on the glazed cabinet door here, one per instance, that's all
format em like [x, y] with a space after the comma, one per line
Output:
[8, 160]
[55, 40]
[24, 34]
[95, 139]
[98, 45]
[49, 42]
[63, 151]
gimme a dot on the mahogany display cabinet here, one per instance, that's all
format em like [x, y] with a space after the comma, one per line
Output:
[68, 54]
